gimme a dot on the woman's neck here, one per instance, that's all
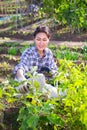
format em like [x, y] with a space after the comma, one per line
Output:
[41, 53]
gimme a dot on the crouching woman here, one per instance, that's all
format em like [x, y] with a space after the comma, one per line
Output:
[41, 57]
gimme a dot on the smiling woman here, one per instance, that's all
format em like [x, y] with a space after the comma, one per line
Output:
[41, 57]
[41, 40]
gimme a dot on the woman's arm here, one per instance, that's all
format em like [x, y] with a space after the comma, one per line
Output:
[20, 75]
[22, 67]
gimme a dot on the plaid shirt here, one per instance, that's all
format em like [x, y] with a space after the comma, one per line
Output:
[31, 58]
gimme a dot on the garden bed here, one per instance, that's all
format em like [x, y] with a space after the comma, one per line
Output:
[10, 53]
[63, 113]
[10, 56]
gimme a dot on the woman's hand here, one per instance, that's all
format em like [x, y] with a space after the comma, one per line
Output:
[46, 71]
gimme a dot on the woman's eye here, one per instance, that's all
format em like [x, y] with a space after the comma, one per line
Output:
[44, 39]
[41, 39]
[38, 39]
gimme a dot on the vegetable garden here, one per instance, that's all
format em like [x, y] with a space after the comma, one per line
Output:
[35, 111]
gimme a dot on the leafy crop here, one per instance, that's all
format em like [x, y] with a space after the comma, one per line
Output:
[12, 51]
[68, 111]
[84, 49]
[66, 54]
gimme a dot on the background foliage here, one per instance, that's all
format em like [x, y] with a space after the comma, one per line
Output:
[72, 13]
[66, 12]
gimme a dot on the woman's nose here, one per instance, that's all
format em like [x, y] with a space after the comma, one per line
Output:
[41, 41]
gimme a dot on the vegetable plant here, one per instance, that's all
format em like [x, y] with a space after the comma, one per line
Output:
[66, 54]
[84, 49]
[12, 51]
[37, 112]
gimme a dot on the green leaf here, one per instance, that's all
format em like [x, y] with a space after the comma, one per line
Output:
[55, 119]
[33, 121]
[0, 92]
[36, 84]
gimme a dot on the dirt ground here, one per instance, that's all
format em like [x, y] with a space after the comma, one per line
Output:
[55, 36]
[58, 32]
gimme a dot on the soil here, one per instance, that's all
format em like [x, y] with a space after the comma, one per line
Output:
[75, 37]
[58, 32]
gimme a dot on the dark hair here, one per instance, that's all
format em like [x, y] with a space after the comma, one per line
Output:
[44, 29]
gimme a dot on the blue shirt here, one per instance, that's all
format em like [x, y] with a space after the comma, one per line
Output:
[31, 58]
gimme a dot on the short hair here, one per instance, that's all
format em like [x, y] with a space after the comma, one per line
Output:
[43, 29]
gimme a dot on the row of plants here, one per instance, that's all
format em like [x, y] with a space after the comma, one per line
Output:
[38, 112]
[13, 50]
[62, 52]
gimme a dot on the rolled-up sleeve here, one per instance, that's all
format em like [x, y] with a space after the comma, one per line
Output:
[23, 64]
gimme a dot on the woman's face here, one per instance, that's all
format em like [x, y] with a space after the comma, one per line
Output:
[41, 40]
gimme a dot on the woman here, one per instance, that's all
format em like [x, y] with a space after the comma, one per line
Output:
[38, 56]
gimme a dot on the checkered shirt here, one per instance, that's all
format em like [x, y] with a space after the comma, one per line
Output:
[31, 58]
